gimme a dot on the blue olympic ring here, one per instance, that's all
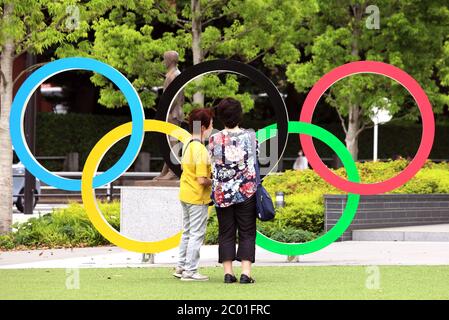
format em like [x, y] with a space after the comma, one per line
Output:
[35, 80]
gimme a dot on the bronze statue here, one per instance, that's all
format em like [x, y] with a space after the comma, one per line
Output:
[176, 114]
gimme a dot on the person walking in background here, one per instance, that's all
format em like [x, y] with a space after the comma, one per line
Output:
[301, 162]
[233, 190]
[195, 190]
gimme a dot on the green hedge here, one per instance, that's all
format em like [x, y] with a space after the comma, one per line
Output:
[300, 220]
[57, 135]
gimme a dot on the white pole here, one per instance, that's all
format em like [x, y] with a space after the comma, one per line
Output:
[375, 141]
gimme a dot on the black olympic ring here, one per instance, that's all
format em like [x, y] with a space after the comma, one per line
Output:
[236, 67]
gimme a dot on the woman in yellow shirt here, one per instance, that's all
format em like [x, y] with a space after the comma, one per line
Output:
[195, 190]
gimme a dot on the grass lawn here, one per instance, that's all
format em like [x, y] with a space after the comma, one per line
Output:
[395, 282]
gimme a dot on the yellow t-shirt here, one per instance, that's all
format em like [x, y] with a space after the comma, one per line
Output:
[195, 164]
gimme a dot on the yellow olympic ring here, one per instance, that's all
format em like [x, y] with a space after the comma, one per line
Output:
[88, 193]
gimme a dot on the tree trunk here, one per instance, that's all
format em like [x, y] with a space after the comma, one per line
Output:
[355, 117]
[352, 135]
[198, 97]
[6, 95]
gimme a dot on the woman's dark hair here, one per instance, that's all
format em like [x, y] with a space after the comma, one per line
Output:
[203, 115]
[229, 112]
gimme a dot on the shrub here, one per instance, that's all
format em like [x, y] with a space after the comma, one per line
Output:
[302, 218]
[277, 230]
[69, 227]
[212, 228]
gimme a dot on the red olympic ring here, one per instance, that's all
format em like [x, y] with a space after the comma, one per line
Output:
[412, 86]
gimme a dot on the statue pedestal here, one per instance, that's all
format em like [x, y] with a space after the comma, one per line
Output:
[150, 213]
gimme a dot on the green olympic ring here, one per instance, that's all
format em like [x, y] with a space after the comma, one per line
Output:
[294, 249]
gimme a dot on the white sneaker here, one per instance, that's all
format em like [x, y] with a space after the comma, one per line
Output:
[178, 272]
[193, 276]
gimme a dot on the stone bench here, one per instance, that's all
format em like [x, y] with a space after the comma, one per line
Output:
[150, 213]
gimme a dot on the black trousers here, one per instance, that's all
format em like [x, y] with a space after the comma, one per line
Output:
[241, 218]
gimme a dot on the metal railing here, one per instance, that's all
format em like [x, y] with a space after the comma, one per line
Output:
[51, 158]
[110, 187]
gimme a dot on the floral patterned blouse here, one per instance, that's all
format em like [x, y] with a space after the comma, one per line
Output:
[233, 172]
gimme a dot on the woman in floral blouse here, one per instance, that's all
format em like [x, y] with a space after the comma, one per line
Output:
[233, 190]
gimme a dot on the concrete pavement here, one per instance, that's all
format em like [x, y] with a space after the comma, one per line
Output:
[345, 253]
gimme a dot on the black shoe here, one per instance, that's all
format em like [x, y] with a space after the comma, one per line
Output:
[245, 279]
[229, 278]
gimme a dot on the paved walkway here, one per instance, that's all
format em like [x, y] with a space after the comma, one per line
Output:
[338, 253]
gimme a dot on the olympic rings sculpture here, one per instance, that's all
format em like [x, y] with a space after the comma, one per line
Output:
[139, 125]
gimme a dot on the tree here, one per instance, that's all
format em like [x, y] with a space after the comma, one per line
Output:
[128, 36]
[27, 26]
[245, 30]
[410, 36]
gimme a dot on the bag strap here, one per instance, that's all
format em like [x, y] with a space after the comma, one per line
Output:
[185, 148]
[254, 148]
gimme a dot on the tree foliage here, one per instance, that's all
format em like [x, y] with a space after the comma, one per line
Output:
[412, 35]
[127, 36]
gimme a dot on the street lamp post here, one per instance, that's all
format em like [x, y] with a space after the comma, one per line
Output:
[379, 116]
